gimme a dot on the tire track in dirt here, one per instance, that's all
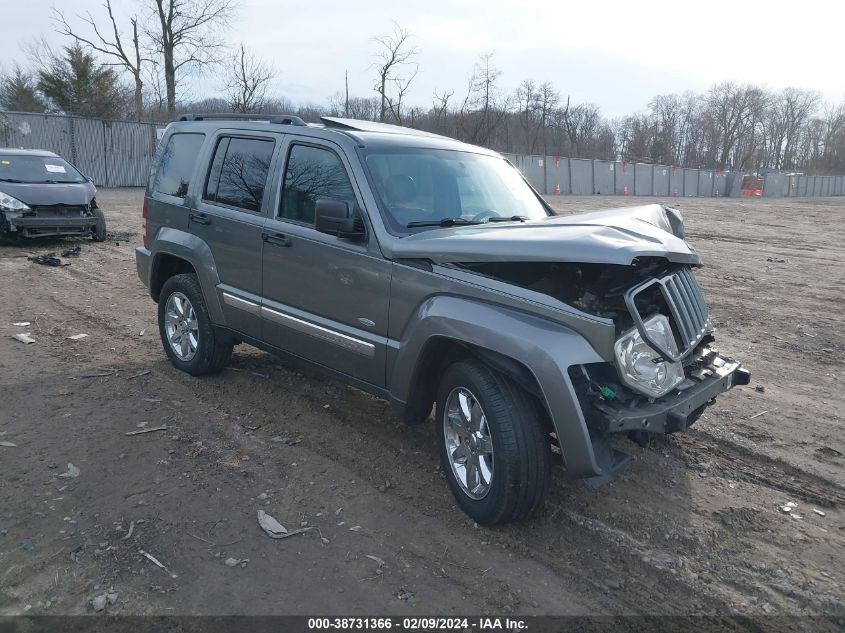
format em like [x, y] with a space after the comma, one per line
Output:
[759, 468]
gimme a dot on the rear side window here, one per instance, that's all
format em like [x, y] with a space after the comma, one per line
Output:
[176, 165]
[238, 173]
[312, 173]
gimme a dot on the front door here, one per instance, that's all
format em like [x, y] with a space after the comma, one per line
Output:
[325, 297]
[229, 216]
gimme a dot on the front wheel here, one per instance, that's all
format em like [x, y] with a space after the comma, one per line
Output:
[189, 339]
[99, 233]
[492, 445]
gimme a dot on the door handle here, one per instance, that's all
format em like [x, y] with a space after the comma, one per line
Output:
[199, 218]
[277, 239]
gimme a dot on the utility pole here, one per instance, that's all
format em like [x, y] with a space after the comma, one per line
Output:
[346, 107]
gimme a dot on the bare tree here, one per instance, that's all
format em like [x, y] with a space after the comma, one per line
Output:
[735, 110]
[186, 33]
[440, 106]
[483, 109]
[395, 56]
[247, 81]
[111, 46]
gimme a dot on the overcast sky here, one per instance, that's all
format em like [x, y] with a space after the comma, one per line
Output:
[615, 54]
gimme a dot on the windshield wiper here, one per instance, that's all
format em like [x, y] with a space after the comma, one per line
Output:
[513, 218]
[443, 222]
[10, 180]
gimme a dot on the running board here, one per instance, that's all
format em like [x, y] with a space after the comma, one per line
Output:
[609, 460]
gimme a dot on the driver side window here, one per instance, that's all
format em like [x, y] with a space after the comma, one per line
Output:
[312, 173]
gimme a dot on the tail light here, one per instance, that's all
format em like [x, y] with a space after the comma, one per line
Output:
[145, 215]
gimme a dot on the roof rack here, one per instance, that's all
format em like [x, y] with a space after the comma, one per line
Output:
[281, 119]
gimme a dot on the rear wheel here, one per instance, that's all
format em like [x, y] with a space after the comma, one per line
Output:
[99, 233]
[492, 444]
[187, 334]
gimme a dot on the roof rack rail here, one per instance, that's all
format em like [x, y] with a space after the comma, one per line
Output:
[281, 119]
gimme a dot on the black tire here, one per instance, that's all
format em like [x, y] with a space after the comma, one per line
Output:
[521, 448]
[5, 237]
[212, 351]
[99, 233]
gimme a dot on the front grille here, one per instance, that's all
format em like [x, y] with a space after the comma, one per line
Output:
[60, 210]
[684, 303]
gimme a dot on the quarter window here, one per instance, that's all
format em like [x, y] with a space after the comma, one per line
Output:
[239, 171]
[313, 173]
[176, 165]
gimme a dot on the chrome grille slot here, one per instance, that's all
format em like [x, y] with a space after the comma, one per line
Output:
[688, 310]
[686, 303]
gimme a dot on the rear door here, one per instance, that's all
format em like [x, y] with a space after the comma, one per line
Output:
[229, 216]
[325, 297]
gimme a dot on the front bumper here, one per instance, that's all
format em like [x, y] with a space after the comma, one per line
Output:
[709, 376]
[47, 225]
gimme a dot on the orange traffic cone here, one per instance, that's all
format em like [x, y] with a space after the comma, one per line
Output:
[625, 191]
[557, 190]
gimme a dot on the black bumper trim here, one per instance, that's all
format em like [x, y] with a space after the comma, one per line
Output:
[52, 221]
[676, 412]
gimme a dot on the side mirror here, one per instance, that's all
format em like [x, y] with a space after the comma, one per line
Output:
[335, 218]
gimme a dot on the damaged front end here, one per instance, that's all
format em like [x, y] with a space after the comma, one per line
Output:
[52, 220]
[663, 370]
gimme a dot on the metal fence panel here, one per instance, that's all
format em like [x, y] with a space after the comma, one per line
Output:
[705, 183]
[581, 172]
[775, 185]
[604, 177]
[661, 180]
[676, 181]
[720, 184]
[89, 154]
[533, 170]
[113, 153]
[37, 131]
[840, 183]
[690, 182]
[624, 178]
[643, 180]
[130, 149]
[557, 175]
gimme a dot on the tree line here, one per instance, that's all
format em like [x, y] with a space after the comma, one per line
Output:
[140, 67]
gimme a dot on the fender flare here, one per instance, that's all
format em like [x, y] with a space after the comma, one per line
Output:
[196, 252]
[547, 349]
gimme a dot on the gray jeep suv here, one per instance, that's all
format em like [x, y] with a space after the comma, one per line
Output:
[430, 273]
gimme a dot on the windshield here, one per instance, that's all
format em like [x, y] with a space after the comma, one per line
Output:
[431, 187]
[37, 169]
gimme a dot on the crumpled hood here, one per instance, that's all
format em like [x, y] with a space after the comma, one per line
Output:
[42, 195]
[616, 236]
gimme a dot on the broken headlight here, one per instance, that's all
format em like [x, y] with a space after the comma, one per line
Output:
[8, 203]
[641, 367]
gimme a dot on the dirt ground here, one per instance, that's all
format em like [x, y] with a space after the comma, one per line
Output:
[692, 526]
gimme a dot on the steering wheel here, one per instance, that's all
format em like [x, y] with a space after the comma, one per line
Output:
[490, 213]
